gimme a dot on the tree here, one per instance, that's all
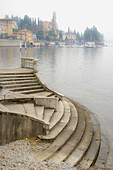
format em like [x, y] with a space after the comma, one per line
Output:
[35, 21]
[66, 38]
[1, 36]
[81, 38]
[40, 35]
[78, 38]
[52, 35]
[27, 21]
[6, 16]
[74, 32]
[12, 16]
[92, 35]
[60, 35]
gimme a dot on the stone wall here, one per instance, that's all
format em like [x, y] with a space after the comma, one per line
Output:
[10, 43]
[15, 127]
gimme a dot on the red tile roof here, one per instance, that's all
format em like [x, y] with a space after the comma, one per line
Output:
[6, 19]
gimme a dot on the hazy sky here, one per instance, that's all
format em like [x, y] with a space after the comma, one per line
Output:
[74, 13]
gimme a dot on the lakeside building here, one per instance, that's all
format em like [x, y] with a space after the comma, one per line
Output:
[7, 25]
[34, 38]
[90, 44]
[46, 30]
[69, 37]
[3, 28]
[24, 35]
[46, 26]
[54, 25]
[14, 25]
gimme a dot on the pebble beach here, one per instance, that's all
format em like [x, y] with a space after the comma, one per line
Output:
[23, 154]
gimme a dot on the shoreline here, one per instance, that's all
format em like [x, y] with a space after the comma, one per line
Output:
[21, 155]
[89, 126]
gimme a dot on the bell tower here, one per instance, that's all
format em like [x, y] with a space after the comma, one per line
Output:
[54, 22]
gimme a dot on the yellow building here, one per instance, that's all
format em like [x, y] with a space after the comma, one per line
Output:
[47, 26]
[9, 25]
[70, 37]
[3, 28]
[25, 35]
[14, 25]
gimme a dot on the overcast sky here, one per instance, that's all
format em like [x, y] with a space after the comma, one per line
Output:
[74, 13]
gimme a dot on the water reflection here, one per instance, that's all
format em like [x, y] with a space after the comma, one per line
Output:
[9, 57]
[82, 74]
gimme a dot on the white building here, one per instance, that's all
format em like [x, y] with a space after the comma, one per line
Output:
[3, 28]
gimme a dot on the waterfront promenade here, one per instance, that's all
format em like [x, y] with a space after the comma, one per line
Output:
[74, 131]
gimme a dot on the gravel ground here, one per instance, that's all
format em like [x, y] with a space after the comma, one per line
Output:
[21, 154]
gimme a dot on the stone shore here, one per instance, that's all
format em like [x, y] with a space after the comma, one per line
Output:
[21, 155]
[75, 131]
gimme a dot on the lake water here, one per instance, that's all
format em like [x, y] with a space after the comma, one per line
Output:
[83, 74]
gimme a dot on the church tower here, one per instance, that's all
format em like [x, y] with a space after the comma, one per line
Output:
[54, 22]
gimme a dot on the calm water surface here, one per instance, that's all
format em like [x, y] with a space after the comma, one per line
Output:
[85, 75]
